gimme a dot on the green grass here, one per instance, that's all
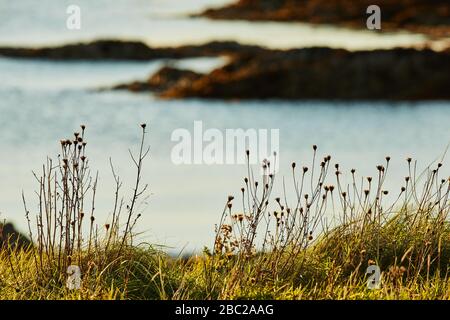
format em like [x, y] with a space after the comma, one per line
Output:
[264, 248]
[329, 269]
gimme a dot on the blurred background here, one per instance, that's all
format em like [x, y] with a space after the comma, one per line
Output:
[360, 97]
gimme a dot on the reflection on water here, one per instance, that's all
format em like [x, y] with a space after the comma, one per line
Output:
[186, 200]
[41, 102]
[166, 23]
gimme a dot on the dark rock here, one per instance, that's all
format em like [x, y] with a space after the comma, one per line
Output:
[426, 16]
[164, 79]
[126, 50]
[324, 73]
[11, 238]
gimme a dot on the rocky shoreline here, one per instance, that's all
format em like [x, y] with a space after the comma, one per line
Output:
[258, 73]
[422, 16]
[127, 50]
[312, 73]
[10, 238]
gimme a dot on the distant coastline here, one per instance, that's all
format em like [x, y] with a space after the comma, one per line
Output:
[308, 73]
[420, 16]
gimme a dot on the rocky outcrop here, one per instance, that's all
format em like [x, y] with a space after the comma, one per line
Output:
[11, 238]
[126, 50]
[257, 73]
[165, 79]
[323, 73]
[427, 16]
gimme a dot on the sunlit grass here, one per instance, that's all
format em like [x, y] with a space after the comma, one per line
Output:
[265, 247]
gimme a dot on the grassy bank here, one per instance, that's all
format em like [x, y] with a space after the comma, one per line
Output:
[318, 246]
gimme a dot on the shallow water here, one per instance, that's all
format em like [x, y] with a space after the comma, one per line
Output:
[186, 200]
[42, 101]
[166, 22]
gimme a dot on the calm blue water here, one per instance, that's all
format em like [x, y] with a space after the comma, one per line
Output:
[41, 102]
